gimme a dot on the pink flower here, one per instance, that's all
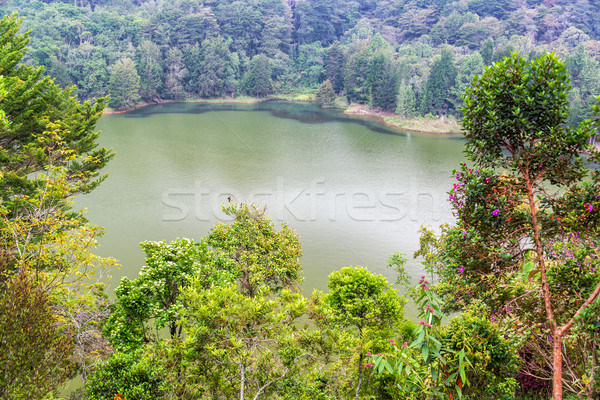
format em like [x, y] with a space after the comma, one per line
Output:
[405, 345]
[495, 212]
[588, 207]
[368, 354]
[392, 342]
[369, 365]
[425, 324]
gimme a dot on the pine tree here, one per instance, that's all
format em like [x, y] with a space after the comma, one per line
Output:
[124, 85]
[150, 70]
[442, 78]
[325, 94]
[406, 102]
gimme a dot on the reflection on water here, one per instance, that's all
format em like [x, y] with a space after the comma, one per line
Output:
[309, 113]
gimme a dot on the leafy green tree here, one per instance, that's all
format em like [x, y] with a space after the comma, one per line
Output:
[128, 375]
[384, 91]
[468, 356]
[48, 127]
[35, 350]
[319, 21]
[516, 243]
[469, 66]
[367, 302]
[262, 254]
[257, 80]
[371, 74]
[487, 51]
[241, 21]
[94, 78]
[325, 94]
[309, 62]
[155, 296]
[334, 67]
[240, 346]
[124, 85]
[585, 76]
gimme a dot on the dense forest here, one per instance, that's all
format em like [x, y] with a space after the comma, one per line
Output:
[509, 307]
[411, 57]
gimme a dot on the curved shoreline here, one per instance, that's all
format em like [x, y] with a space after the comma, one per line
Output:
[424, 126]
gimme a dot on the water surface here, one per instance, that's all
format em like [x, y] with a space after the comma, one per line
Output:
[355, 190]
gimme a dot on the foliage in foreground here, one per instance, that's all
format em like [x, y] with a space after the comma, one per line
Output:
[51, 301]
[238, 326]
[526, 240]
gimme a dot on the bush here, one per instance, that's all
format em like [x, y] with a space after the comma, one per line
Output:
[494, 361]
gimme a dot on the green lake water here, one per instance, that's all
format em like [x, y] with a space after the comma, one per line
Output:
[353, 189]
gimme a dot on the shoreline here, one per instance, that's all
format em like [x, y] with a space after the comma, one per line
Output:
[431, 126]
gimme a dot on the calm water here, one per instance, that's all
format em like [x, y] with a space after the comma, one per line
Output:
[354, 190]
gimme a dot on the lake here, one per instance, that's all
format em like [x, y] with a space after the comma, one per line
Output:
[355, 190]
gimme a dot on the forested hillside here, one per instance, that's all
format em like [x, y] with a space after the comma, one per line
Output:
[414, 57]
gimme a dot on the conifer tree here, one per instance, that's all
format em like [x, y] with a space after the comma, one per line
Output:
[124, 85]
[437, 92]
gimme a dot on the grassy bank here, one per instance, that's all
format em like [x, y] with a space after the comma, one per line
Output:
[428, 124]
[439, 125]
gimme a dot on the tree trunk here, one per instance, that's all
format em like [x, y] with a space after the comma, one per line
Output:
[557, 386]
[242, 382]
[360, 374]
[557, 389]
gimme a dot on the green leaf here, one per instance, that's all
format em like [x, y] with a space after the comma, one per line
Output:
[425, 352]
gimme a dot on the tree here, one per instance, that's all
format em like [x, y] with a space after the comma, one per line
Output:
[155, 295]
[470, 66]
[406, 102]
[124, 85]
[585, 76]
[257, 80]
[35, 350]
[128, 375]
[241, 346]
[384, 91]
[487, 51]
[36, 109]
[517, 242]
[150, 70]
[365, 301]
[334, 67]
[262, 255]
[442, 78]
[218, 69]
[325, 93]
[175, 75]
[48, 154]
